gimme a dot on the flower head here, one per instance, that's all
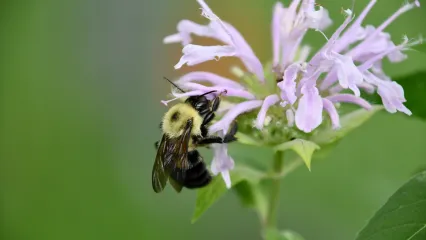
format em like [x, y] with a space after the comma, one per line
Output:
[295, 91]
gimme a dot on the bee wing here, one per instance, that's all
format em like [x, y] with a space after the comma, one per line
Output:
[177, 186]
[159, 175]
[172, 159]
[178, 158]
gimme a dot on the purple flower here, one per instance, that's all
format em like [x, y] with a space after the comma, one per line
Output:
[306, 88]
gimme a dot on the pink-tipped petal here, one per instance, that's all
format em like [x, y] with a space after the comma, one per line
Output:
[268, 102]
[349, 98]
[332, 112]
[233, 113]
[309, 112]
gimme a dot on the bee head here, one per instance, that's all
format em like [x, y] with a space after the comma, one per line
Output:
[199, 102]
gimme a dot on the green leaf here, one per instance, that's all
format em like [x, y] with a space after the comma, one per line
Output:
[252, 196]
[414, 87]
[348, 123]
[245, 193]
[274, 234]
[303, 148]
[210, 194]
[245, 139]
[403, 216]
[291, 235]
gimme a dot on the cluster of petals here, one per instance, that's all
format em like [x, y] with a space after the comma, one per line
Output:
[312, 83]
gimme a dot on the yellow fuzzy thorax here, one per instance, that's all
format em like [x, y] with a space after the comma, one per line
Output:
[173, 127]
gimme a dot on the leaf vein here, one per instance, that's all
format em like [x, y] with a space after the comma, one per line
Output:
[392, 228]
[421, 229]
[402, 206]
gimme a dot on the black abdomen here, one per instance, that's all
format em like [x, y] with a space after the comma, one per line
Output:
[197, 176]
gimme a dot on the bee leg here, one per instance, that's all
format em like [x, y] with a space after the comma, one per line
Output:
[208, 118]
[204, 131]
[230, 136]
[215, 104]
[208, 140]
[156, 144]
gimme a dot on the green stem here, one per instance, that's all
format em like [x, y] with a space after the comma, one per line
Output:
[271, 221]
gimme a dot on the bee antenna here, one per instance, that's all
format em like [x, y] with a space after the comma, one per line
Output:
[174, 84]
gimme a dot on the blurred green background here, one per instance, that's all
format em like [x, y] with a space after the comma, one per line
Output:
[81, 84]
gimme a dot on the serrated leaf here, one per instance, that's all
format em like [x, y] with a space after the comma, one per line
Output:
[403, 216]
[208, 195]
[348, 123]
[303, 148]
[274, 234]
[414, 87]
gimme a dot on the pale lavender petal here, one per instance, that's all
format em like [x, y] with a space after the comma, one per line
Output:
[269, 101]
[348, 74]
[332, 112]
[373, 60]
[231, 92]
[238, 109]
[372, 36]
[227, 179]
[328, 46]
[392, 101]
[174, 38]
[222, 163]
[318, 20]
[288, 85]
[392, 94]
[304, 53]
[209, 77]
[186, 28]
[181, 95]
[326, 50]
[245, 53]
[365, 86]
[276, 33]
[195, 54]
[403, 9]
[369, 88]
[349, 98]
[309, 111]
[290, 117]
[355, 32]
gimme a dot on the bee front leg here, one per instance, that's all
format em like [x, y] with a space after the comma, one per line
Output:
[230, 136]
[207, 140]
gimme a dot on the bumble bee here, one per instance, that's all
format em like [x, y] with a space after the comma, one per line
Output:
[184, 129]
